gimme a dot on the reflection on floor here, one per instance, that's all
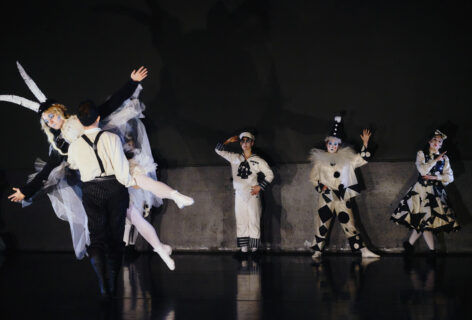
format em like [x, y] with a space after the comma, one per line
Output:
[218, 286]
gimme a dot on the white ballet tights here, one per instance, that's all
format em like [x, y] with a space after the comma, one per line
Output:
[428, 238]
[158, 188]
[414, 236]
[147, 231]
[427, 235]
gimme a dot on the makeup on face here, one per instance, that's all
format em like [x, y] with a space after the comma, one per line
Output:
[436, 143]
[245, 140]
[332, 146]
[52, 120]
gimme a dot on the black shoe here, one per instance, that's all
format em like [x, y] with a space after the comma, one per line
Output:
[409, 249]
[256, 255]
[431, 258]
[239, 255]
[113, 268]
[98, 263]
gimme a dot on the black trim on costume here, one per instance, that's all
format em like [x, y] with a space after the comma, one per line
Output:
[319, 187]
[242, 241]
[220, 146]
[263, 184]
[365, 153]
[254, 243]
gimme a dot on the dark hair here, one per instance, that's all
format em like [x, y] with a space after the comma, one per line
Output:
[431, 136]
[88, 113]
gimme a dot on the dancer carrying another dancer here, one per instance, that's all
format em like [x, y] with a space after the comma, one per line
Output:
[53, 177]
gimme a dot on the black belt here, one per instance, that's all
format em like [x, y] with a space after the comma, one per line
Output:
[104, 178]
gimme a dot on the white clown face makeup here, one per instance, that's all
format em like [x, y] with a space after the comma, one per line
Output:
[435, 143]
[332, 144]
[52, 120]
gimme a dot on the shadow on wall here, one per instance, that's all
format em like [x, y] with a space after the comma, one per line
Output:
[463, 213]
[223, 73]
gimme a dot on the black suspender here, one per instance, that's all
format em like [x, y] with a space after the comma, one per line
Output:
[94, 147]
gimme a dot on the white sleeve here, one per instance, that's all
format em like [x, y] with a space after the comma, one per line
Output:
[362, 158]
[268, 174]
[119, 162]
[447, 176]
[422, 166]
[70, 158]
[229, 156]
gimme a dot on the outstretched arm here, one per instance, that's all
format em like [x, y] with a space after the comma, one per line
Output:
[28, 190]
[117, 99]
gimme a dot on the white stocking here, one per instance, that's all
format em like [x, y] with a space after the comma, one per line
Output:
[428, 238]
[147, 231]
[158, 188]
[413, 237]
[163, 191]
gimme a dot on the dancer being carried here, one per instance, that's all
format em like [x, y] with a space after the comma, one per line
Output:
[425, 208]
[335, 180]
[121, 114]
[246, 167]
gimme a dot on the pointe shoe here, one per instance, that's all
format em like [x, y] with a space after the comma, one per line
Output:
[167, 249]
[180, 199]
[161, 251]
[366, 253]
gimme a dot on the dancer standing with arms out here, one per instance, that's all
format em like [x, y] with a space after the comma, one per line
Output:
[425, 208]
[335, 180]
[245, 168]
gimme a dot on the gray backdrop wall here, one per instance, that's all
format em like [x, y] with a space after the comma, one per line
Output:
[287, 218]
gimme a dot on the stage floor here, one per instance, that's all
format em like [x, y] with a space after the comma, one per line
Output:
[217, 286]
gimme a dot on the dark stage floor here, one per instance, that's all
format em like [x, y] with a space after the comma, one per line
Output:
[211, 286]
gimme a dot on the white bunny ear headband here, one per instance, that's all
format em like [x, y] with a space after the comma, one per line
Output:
[32, 105]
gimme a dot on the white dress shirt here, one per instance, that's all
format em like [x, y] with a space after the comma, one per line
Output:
[82, 157]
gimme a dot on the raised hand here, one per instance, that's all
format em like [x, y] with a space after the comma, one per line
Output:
[18, 196]
[365, 136]
[441, 156]
[232, 139]
[139, 75]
